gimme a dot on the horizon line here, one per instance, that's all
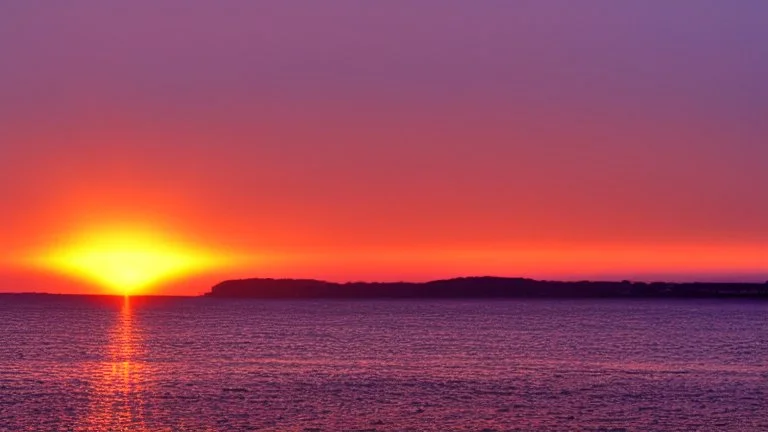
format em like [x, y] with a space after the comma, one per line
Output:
[204, 294]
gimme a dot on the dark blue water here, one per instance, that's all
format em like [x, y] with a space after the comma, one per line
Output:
[195, 364]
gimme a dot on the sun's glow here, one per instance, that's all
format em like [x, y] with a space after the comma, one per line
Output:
[127, 261]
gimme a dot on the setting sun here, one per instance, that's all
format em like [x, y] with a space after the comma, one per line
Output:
[126, 261]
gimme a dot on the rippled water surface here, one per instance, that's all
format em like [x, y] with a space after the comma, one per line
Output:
[197, 364]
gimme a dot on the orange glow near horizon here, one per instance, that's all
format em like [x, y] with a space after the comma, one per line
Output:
[136, 260]
[143, 258]
[127, 260]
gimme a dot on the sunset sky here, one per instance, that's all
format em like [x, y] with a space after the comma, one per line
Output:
[389, 140]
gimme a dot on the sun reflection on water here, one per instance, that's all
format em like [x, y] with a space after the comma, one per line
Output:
[117, 402]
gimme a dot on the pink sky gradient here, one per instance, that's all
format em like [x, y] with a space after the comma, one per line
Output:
[397, 139]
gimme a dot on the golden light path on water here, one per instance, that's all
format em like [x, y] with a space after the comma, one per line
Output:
[116, 402]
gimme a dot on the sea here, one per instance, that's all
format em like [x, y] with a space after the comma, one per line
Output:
[80, 363]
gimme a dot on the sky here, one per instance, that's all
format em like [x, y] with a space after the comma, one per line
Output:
[391, 140]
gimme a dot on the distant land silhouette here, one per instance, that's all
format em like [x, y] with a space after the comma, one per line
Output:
[480, 288]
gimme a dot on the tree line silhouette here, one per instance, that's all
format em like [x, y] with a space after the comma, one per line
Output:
[480, 287]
